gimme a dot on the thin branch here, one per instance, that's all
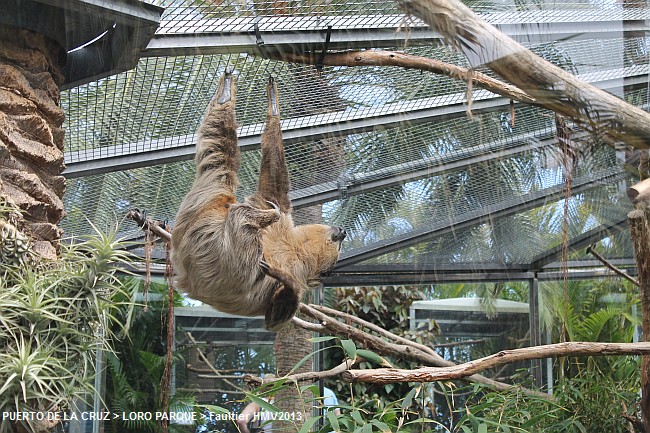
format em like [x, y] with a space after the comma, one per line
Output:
[208, 363]
[191, 368]
[147, 224]
[463, 343]
[315, 327]
[378, 329]
[210, 391]
[308, 376]
[407, 61]
[465, 370]
[618, 271]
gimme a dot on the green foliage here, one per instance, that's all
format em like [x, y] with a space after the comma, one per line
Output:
[137, 365]
[592, 401]
[55, 315]
[387, 307]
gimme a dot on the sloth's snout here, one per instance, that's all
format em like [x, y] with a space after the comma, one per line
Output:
[338, 234]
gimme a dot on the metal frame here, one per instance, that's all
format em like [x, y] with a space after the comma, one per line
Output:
[471, 219]
[418, 273]
[581, 241]
[307, 34]
[423, 168]
[172, 149]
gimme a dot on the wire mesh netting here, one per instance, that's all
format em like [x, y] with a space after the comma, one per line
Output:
[394, 155]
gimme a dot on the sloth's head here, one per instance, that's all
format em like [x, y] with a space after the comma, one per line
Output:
[322, 243]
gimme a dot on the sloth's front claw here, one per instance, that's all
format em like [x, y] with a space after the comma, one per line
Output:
[272, 94]
[284, 300]
[283, 277]
[283, 306]
[273, 205]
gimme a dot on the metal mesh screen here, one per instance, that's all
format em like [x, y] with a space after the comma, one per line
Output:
[389, 153]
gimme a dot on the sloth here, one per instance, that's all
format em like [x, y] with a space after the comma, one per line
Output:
[246, 258]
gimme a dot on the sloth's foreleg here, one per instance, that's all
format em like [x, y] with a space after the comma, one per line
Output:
[284, 300]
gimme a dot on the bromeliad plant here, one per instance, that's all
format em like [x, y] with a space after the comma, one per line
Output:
[54, 315]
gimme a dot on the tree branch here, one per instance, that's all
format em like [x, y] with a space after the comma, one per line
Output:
[146, 223]
[407, 350]
[483, 44]
[407, 61]
[461, 371]
[208, 363]
[378, 329]
[308, 376]
[603, 260]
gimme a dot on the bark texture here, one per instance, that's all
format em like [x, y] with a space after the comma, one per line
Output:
[461, 371]
[31, 137]
[640, 233]
[407, 61]
[291, 345]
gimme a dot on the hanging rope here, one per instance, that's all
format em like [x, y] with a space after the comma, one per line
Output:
[165, 386]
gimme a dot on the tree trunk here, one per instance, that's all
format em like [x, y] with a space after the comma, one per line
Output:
[31, 137]
[640, 233]
[292, 343]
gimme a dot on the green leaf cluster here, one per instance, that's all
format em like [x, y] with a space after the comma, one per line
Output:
[54, 316]
[137, 366]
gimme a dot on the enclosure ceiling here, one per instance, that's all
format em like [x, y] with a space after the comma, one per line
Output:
[390, 154]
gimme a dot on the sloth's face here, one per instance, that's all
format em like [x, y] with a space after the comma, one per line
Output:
[322, 243]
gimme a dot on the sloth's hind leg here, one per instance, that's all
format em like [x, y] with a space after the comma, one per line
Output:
[273, 184]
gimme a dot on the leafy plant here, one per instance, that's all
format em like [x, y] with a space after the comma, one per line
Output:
[137, 366]
[55, 315]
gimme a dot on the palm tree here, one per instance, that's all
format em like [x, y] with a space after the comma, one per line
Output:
[31, 138]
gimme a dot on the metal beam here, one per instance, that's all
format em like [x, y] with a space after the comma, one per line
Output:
[417, 273]
[308, 33]
[474, 218]
[425, 167]
[182, 148]
[294, 130]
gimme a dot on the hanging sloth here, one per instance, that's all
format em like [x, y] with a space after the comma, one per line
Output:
[246, 258]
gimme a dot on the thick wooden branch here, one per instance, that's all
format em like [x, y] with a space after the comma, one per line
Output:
[640, 233]
[598, 111]
[408, 350]
[407, 61]
[639, 194]
[461, 371]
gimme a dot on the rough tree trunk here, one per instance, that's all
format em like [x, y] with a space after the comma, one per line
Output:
[640, 233]
[31, 137]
